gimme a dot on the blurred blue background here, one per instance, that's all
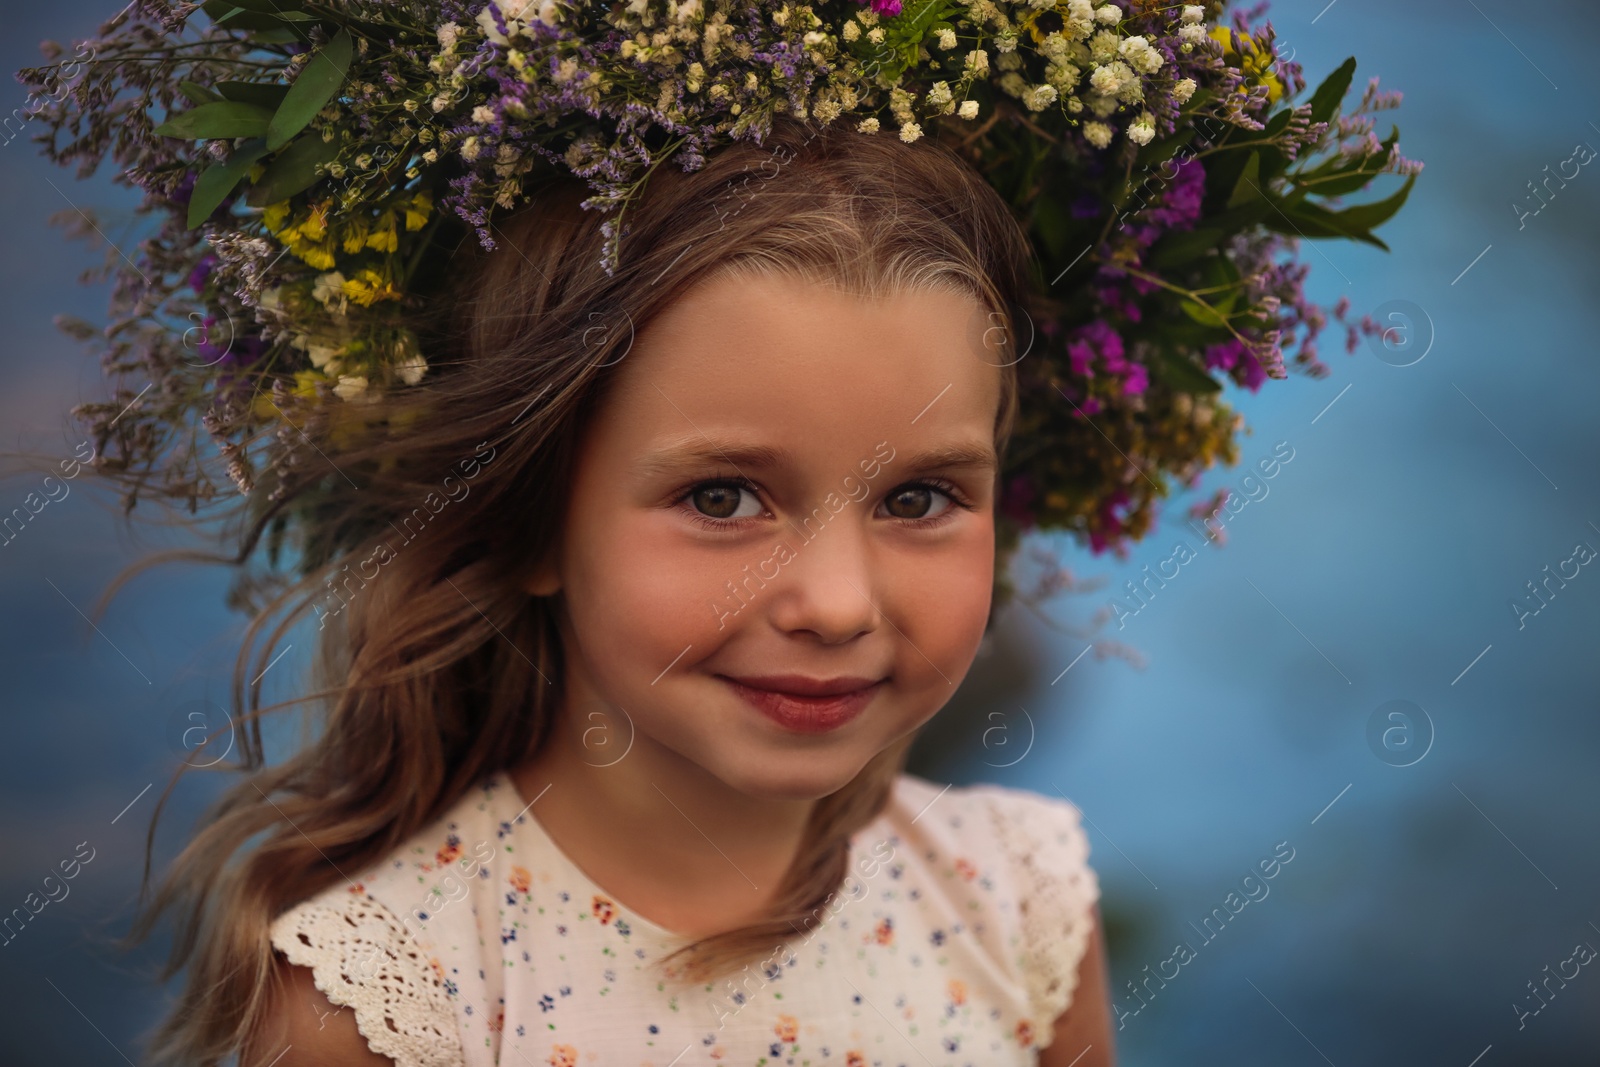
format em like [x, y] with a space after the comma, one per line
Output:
[1437, 870]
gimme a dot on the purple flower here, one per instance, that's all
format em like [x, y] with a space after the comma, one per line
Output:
[202, 271]
[1239, 361]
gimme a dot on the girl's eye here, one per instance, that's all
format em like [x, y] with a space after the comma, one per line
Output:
[718, 505]
[720, 500]
[914, 500]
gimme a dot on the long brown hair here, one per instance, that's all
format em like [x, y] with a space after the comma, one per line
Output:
[441, 670]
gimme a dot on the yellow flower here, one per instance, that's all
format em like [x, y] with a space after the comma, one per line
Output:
[370, 286]
[355, 236]
[315, 225]
[307, 238]
[418, 209]
[383, 237]
[318, 256]
[305, 383]
[1256, 63]
[274, 215]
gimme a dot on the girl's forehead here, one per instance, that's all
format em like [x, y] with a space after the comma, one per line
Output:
[786, 362]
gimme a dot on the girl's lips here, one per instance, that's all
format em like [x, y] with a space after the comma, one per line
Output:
[802, 714]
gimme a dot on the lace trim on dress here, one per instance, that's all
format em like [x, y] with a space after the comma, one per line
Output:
[362, 957]
[1057, 891]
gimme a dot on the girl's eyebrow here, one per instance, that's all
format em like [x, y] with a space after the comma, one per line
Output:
[673, 458]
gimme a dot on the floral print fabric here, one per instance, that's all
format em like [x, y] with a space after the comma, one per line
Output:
[924, 955]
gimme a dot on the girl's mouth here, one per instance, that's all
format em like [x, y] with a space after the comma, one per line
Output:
[808, 714]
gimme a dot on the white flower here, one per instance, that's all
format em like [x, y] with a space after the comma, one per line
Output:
[483, 113]
[1103, 46]
[1110, 14]
[875, 35]
[350, 386]
[1114, 79]
[321, 354]
[939, 95]
[1064, 76]
[329, 291]
[977, 61]
[1097, 133]
[441, 101]
[687, 10]
[1143, 130]
[1013, 83]
[1081, 10]
[1139, 54]
[909, 132]
[447, 36]
[947, 38]
[1192, 33]
[1102, 106]
[1193, 13]
[1006, 43]
[968, 109]
[487, 24]
[412, 368]
[470, 149]
[1183, 90]
[868, 125]
[1038, 97]
[851, 31]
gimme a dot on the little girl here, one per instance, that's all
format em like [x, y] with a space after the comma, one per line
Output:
[656, 582]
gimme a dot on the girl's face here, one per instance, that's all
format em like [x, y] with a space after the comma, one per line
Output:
[783, 480]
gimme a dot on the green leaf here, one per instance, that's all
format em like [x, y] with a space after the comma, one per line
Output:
[262, 94]
[1248, 187]
[197, 93]
[1051, 222]
[218, 180]
[1201, 314]
[293, 171]
[1177, 247]
[1325, 101]
[1370, 216]
[1312, 221]
[1277, 123]
[1273, 163]
[1339, 184]
[283, 35]
[280, 8]
[1161, 151]
[312, 90]
[223, 118]
[1185, 375]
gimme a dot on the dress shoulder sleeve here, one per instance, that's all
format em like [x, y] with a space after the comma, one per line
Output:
[362, 957]
[1056, 891]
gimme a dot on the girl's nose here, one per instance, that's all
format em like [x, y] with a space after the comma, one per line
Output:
[828, 588]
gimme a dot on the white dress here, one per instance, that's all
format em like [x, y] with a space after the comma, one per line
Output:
[955, 941]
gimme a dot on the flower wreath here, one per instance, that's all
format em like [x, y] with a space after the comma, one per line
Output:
[1164, 164]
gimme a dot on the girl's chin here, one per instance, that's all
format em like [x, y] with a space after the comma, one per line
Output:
[796, 774]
